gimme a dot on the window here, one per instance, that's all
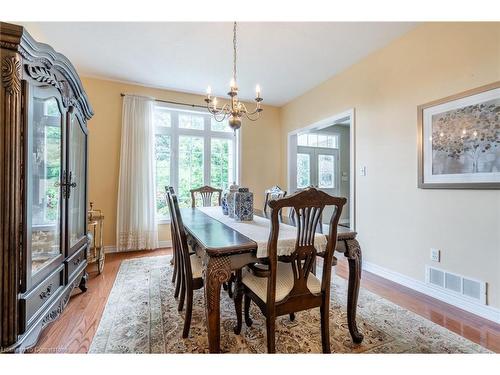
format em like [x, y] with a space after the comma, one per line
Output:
[318, 140]
[191, 150]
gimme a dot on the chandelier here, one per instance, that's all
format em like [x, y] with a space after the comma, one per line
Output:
[234, 110]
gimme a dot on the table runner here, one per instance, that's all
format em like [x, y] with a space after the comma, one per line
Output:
[258, 230]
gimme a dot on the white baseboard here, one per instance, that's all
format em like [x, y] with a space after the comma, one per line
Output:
[483, 311]
[165, 243]
[112, 248]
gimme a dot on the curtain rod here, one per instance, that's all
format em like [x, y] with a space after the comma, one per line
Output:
[176, 103]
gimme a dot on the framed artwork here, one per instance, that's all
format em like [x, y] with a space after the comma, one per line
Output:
[459, 141]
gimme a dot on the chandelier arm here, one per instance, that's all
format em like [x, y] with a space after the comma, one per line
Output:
[222, 118]
[219, 115]
[243, 106]
[225, 109]
[212, 110]
[256, 110]
[249, 116]
[216, 111]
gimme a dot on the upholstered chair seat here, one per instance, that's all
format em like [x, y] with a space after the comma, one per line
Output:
[196, 266]
[284, 282]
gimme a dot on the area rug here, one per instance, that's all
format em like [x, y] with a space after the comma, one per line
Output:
[141, 317]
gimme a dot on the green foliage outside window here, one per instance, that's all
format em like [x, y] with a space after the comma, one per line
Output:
[190, 167]
[162, 154]
[190, 157]
[220, 173]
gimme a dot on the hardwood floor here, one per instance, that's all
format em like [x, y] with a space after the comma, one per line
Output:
[74, 330]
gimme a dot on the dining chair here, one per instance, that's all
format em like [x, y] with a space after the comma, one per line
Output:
[206, 192]
[190, 264]
[283, 285]
[176, 276]
[273, 193]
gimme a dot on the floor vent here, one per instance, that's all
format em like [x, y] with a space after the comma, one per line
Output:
[456, 284]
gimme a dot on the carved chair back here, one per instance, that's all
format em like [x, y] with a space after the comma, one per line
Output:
[273, 193]
[180, 236]
[292, 214]
[206, 192]
[308, 206]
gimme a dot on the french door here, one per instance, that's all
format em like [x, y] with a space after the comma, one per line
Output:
[319, 167]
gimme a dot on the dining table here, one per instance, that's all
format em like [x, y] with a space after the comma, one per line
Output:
[225, 250]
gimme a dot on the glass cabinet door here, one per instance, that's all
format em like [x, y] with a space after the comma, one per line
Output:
[77, 204]
[44, 178]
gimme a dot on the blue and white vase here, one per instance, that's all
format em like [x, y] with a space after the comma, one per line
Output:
[233, 189]
[243, 205]
[225, 209]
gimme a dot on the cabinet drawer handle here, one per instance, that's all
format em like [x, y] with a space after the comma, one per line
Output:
[46, 293]
[77, 261]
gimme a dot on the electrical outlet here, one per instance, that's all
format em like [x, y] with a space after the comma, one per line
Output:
[435, 255]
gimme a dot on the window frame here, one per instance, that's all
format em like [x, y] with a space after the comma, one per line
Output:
[174, 131]
[335, 136]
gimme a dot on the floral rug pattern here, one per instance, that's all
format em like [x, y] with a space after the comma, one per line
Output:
[141, 317]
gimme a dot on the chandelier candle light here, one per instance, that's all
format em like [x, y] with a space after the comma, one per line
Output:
[234, 110]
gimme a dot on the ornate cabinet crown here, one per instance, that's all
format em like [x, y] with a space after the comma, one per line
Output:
[43, 186]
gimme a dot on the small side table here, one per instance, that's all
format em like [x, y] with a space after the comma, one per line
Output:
[95, 228]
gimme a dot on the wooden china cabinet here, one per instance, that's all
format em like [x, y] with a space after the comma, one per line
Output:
[43, 186]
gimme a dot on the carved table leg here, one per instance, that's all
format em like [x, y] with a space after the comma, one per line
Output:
[353, 255]
[216, 272]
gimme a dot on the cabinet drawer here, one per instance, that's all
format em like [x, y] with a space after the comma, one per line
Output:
[75, 262]
[32, 302]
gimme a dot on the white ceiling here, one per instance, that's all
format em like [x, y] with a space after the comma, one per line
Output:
[286, 59]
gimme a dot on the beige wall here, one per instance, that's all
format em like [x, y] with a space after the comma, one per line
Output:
[261, 147]
[397, 222]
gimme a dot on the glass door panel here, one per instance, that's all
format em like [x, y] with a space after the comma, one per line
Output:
[326, 161]
[44, 182]
[326, 171]
[303, 170]
[77, 205]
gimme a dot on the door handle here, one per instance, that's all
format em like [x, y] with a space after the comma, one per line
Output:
[66, 186]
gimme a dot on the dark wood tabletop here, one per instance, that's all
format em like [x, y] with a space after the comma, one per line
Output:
[214, 237]
[217, 238]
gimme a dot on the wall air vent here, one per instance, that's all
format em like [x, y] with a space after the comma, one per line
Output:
[468, 288]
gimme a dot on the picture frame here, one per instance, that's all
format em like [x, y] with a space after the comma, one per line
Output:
[459, 140]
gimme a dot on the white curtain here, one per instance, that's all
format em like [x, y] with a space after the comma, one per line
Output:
[136, 226]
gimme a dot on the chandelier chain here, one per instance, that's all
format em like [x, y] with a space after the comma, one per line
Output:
[234, 52]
